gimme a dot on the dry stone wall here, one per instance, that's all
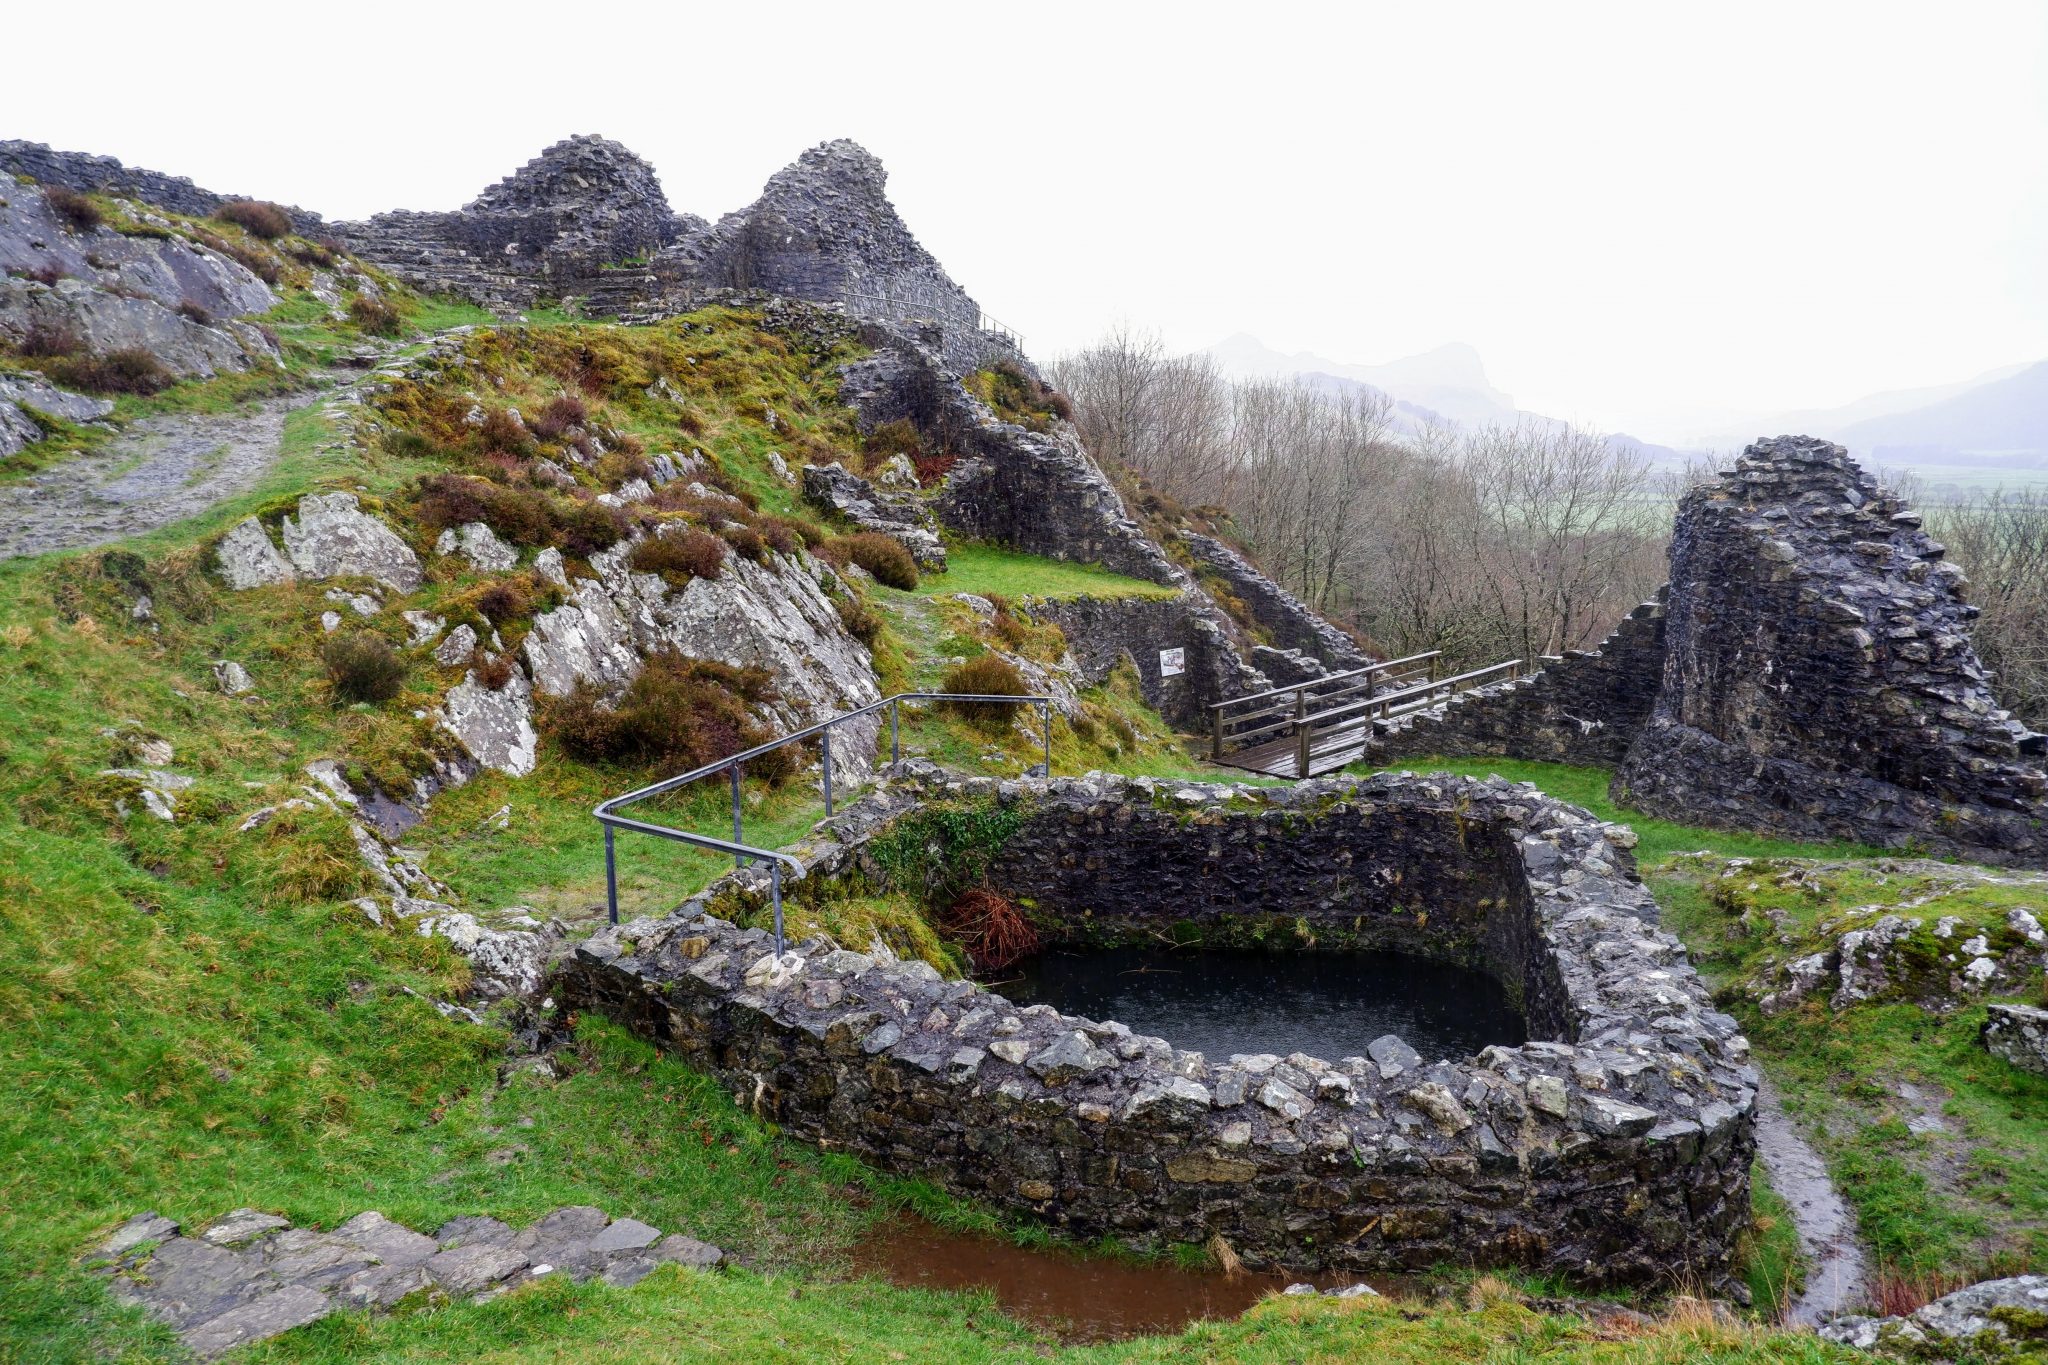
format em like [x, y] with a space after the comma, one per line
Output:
[1615, 1148]
[103, 174]
[1818, 678]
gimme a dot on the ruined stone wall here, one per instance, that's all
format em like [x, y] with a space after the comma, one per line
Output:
[1585, 708]
[1103, 631]
[1617, 1150]
[552, 227]
[87, 173]
[1279, 612]
[1819, 680]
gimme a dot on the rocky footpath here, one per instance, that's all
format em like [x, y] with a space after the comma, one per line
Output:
[250, 1275]
[1819, 680]
[1616, 1147]
[1997, 1320]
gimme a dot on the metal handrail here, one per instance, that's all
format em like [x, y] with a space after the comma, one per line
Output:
[607, 812]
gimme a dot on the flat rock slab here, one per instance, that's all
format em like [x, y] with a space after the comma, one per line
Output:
[251, 1275]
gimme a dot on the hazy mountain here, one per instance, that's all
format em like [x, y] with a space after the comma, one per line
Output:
[2000, 423]
[1448, 384]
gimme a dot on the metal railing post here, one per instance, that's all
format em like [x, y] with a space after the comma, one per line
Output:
[895, 737]
[825, 750]
[775, 890]
[738, 859]
[1045, 714]
[611, 877]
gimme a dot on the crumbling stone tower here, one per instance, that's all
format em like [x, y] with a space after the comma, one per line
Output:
[1819, 680]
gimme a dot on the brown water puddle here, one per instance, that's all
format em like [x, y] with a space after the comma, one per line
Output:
[1079, 1298]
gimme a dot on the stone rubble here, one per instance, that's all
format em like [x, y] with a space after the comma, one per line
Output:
[250, 1276]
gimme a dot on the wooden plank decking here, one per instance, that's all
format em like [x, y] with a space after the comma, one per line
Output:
[1281, 757]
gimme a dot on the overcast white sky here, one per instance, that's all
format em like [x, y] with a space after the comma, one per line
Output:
[1641, 214]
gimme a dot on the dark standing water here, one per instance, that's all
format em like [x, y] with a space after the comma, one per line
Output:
[1329, 1005]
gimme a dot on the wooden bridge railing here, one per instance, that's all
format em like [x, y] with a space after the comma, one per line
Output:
[1343, 702]
[1277, 710]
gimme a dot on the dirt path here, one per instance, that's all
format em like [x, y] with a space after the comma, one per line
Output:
[160, 470]
[1836, 1277]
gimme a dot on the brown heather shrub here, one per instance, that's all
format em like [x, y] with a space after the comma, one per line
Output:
[501, 431]
[862, 621]
[691, 423]
[557, 417]
[621, 468]
[321, 251]
[680, 713]
[194, 311]
[504, 600]
[494, 671]
[47, 273]
[48, 340]
[786, 534]
[584, 528]
[678, 559]
[256, 217]
[989, 675]
[375, 316]
[522, 516]
[131, 370]
[881, 555]
[363, 667]
[745, 539]
[77, 211]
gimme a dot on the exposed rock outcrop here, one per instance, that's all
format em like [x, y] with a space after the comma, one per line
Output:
[176, 299]
[2017, 1035]
[25, 397]
[774, 615]
[334, 537]
[901, 515]
[1991, 1321]
[1819, 680]
[1938, 965]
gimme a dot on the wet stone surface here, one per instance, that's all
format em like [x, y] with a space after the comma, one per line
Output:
[250, 1275]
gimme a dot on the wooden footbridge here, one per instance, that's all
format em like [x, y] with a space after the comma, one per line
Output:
[1319, 726]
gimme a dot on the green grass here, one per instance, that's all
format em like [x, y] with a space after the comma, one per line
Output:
[985, 570]
[1657, 839]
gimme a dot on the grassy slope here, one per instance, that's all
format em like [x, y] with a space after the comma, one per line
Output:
[192, 1020]
[1936, 1208]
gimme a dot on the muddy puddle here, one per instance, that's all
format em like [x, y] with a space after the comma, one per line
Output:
[1079, 1298]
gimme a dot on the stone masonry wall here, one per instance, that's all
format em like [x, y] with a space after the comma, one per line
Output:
[1819, 680]
[1103, 631]
[1283, 615]
[1616, 1150]
[1585, 708]
[85, 172]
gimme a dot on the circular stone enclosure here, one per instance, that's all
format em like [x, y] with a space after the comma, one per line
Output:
[1614, 1146]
